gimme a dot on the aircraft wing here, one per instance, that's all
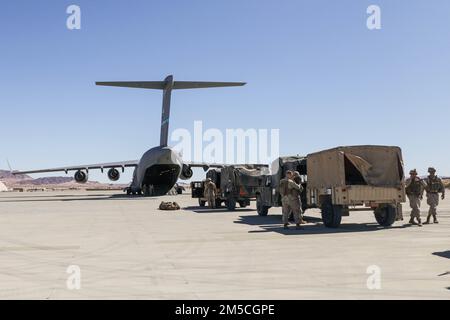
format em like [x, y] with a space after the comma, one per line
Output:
[203, 165]
[206, 166]
[101, 166]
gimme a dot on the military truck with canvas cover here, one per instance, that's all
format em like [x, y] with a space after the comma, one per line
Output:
[268, 194]
[236, 184]
[343, 178]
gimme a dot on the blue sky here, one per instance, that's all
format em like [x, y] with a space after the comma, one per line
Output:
[313, 70]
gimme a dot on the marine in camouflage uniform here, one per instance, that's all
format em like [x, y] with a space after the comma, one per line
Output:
[290, 199]
[210, 193]
[298, 180]
[414, 190]
[433, 186]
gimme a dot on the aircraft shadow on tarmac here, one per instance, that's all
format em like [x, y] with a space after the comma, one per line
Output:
[272, 223]
[62, 198]
[198, 209]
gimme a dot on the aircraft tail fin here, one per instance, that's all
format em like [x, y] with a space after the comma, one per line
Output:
[167, 86]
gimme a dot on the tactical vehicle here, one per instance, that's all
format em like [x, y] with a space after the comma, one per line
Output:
[267, 194]
[198, 187]
[341, 180]
[236, 184]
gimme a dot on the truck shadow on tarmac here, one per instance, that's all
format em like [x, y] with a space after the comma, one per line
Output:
[273, 223]
[62, 198]
[443, 254]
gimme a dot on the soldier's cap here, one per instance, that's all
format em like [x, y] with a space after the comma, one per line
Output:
[413, 171]
[431, 169]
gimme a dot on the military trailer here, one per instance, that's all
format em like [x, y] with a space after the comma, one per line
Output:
[343, 179]
[236, 184]
[267, 194]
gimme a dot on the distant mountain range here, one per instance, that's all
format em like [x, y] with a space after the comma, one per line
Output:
[25, 181]
[7, 175]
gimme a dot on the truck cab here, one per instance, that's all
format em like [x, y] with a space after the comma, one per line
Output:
[268, 195]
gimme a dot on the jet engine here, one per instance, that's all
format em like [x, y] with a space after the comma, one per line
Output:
[186, 172]
[81, 176]
[113, 174]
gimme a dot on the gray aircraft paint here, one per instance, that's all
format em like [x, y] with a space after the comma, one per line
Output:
[160, 166]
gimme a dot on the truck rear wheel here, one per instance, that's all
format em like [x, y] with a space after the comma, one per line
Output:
[385, 214]
[201, 203]
[231, 204]
[260, 208]
[331, 214]
[242, 204]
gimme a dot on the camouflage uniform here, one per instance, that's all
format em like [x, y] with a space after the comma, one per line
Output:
[290, 200]
[298, 180]
[433, 186]
[414, 191]
[284, 192]
[210, 193]
[294, 201]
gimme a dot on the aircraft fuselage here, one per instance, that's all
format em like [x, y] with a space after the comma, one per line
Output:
[157, 172]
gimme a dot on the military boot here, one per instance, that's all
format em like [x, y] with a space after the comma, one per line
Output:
[286, 226]
[435, 219]
[428, 219]
[419, 222]
[411, 221]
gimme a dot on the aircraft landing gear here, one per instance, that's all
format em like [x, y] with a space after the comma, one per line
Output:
[147, 190]
[130, 191]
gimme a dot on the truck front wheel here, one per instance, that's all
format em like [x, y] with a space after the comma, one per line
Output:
[385, 214]
[331, 214]
[260, 208]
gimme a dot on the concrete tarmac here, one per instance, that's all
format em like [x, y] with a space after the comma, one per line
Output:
[125, 248]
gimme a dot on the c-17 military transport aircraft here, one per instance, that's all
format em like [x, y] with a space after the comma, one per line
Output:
[160, 167]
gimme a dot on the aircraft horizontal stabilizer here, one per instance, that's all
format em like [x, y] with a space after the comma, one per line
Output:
[135, 84]
[167, 86]
[161, 85]
[202, 84]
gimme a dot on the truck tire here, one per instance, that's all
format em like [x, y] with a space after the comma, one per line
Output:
[260, 208]
[242, 204]
[201, 203]
[231, 204]
[331, 214]
[385, 214]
